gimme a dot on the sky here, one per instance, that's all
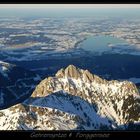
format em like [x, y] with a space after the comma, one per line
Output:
[19, 6]
[69, 10]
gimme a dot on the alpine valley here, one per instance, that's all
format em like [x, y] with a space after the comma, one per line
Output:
[73, 99]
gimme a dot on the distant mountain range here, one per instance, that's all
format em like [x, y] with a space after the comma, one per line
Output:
[73, 99]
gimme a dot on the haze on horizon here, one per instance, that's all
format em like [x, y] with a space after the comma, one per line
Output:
[69, 10]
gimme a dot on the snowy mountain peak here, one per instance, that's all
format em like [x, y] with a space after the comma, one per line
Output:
[114, 99]
[76, 99]
[73, 72]
[70, 71]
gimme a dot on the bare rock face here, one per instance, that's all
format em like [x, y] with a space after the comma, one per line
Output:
[88, 76]
[60, 73]
[71, 72]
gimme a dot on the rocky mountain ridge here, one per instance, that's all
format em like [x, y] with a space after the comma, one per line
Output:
[116, 100]
[76, 99]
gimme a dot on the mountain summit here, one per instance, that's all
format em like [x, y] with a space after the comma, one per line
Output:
[116, 100]
[77, 99]
[72, 72]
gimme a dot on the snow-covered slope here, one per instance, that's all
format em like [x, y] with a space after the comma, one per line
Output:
[22, 117]
[15, 83]
[76, 99]
[58, 111]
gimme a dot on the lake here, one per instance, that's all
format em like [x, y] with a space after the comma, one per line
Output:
[100, 43]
